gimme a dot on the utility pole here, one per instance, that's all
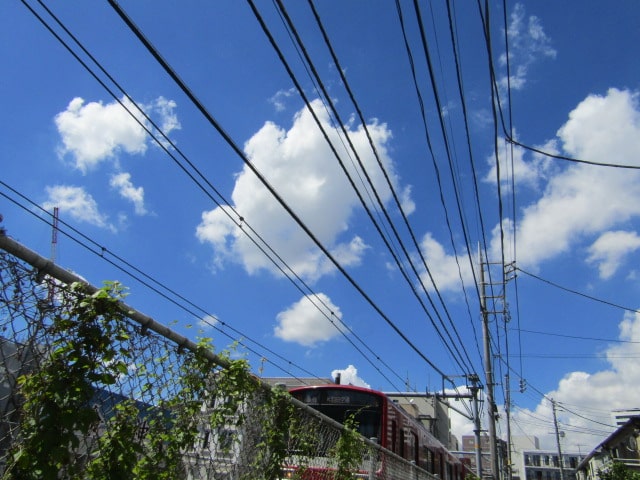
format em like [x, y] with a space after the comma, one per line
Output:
[488, 368]
[555, 424]
[507, 408]
[476, 421]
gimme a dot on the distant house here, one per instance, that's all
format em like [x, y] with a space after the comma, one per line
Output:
[621, 446]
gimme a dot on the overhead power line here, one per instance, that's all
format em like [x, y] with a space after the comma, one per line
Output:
[569, 159]
[226, 207]
[457, 356]
[578, 337]
[235, 147]
[575, 292]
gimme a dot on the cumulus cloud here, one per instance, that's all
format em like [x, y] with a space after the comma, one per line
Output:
[122, 183]
[517, 168]
[527, 44]
[349, 376]
[610, 249]
[300, 166]
[616, 387]
[443, 266]
[593, 395]
[95, 132]
[76, 202]
[309, 321]
[582, 202]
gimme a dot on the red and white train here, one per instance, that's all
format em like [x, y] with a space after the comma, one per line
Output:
[380, 418]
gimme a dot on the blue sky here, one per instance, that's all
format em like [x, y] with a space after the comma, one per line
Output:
[188, 210]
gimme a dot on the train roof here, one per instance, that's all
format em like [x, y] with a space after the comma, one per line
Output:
[340, 387]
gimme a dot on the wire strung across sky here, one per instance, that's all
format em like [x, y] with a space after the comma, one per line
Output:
[380, 205]
[213, 122]
[375, 207]
[457, 354]
[240, 220]
[237, 220]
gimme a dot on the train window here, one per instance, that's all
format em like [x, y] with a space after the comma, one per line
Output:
[368, 422]
[394, 436]
[340, 404]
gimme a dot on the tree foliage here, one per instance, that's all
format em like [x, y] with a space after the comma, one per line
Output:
[618, 471]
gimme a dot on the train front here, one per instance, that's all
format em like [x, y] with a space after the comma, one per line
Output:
[359, 408]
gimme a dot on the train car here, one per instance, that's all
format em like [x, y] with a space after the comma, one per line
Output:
[380, 419]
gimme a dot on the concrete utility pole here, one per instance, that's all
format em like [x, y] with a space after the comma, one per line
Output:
[476, 421]
[507, 408]
[488, 368]
[555, 424]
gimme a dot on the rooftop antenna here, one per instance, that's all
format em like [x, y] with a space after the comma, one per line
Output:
[54, 234]
[54, 246]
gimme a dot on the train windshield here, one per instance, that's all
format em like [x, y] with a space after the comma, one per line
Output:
[340, 404]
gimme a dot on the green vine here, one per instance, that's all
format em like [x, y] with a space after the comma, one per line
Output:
[276, 413]
[118, 447]
[63, 435]
[57, 410]
[349, 450]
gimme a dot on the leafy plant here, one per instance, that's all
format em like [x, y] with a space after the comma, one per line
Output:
[348, 451]
[276, 413]
[618, 471]
[118, 447]
[67, 431]
[57, 412]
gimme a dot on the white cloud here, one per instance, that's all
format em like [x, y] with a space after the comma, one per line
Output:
[208, 322]
[300, 166]
[350, 253]
[444, 267]
[349, 376]
[279, 99]
[166, 111]
[615, 387]
[584, 201]
[122, 183]
[406, 202]
[517, 169]
[94, 132]
[610, 249]
[604, 128]
[78, 203]
[591, 395]
[310, 320]
[527, 44]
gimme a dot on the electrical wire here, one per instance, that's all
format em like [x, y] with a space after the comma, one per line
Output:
[570, 159]
[577, 337]
[151, 283]
[392, 189]
[239, 221]
[214, 123]
[575, 292]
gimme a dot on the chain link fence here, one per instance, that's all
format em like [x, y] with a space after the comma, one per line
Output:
[87, 390]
